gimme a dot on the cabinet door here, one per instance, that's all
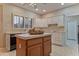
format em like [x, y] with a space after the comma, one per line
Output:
[57, 38]
[38, 22]
[60, 20]
[44, 23]
[41, 23]
[20, 47]
[49, 21]
[35, 50]
[52, 20]
[47, 48]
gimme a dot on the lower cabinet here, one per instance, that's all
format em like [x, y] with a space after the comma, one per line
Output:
[35, 50]
[47, 48]
[34, 47]
[21, 47]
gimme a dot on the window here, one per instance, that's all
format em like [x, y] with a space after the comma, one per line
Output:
[28, 22]
[18, 22]
[22, 22]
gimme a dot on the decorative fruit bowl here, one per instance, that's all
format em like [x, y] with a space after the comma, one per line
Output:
[35, 31]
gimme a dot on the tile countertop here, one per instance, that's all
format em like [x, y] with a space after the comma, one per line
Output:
[28, 36]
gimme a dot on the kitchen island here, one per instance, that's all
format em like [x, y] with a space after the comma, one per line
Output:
[33, 45]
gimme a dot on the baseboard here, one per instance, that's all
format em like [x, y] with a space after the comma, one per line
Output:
[58, 44]
[3, 50]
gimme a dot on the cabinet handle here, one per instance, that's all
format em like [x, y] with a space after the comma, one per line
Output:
[19, 45]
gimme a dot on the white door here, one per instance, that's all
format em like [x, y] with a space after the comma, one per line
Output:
[72, 34]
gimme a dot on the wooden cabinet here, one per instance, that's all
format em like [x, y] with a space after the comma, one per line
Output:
[35, 41]
[40, 46]
[21, 47]
[47, 48]
[34, 47]
[47, 38]
[47, 45]
[35, 50]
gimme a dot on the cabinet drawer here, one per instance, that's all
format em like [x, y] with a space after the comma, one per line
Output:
[47, 38]
[34, 41]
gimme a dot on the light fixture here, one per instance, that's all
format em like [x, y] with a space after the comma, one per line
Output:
[62, 3]
[35, 6]
[44, 10]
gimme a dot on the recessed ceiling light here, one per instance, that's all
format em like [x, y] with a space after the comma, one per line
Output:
[62, 3]
[36, 9]
[44, 10]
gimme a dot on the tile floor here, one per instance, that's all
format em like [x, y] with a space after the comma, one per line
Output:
[56, 51]
[64, 51]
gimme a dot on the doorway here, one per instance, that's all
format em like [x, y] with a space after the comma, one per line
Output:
[73, 34]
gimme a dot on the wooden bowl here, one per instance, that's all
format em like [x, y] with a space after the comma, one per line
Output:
[35, 33]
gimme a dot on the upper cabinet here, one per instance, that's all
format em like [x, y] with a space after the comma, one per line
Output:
[59, 20]
[44, 22]
[40, 22]
[52, 20]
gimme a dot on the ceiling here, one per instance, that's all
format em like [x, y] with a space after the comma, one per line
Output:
[43, 8]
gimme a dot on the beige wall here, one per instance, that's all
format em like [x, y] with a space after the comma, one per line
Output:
[1, 26]
[6, 25]
[8, 11]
